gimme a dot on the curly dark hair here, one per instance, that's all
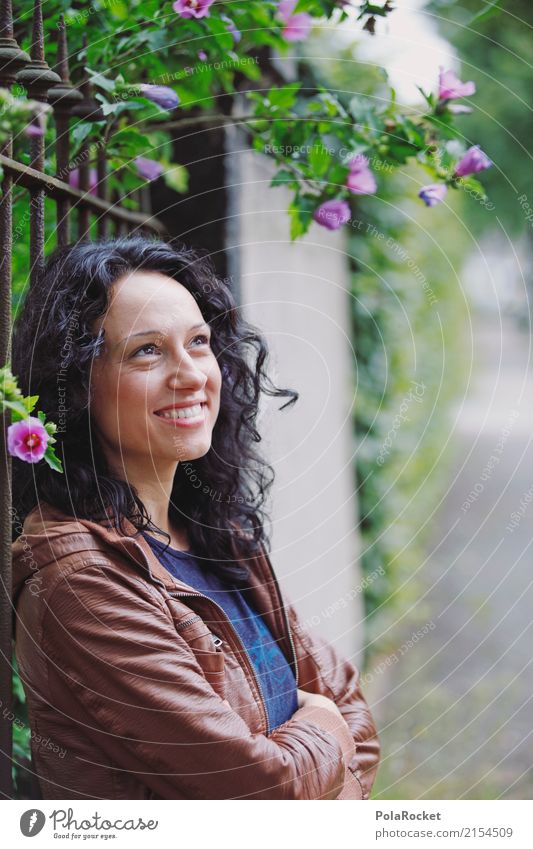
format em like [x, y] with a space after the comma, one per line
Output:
[76, 281]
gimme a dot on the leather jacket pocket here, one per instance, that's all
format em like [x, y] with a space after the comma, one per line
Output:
[207, 648]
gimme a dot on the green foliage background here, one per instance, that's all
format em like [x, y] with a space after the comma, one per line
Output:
[495, 51]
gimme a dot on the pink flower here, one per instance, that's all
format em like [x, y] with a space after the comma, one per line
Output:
[360, 180]
[74, 180]
[148, 168]
[332, 214]
[192, 8]
[27, 440]
[451, 86]
[473, 161]
[297, 27]
[433, 194]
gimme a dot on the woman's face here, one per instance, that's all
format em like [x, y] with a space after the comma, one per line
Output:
[155, 389]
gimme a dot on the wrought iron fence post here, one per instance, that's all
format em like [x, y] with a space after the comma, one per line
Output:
[63, 98]
[88, 109]
[12, 59]
[37, 78]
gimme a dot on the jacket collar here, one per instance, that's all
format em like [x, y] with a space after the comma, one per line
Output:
[52, 533]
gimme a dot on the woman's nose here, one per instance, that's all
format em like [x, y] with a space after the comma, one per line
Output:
[186, 374]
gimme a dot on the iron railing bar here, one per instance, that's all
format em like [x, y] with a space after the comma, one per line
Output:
[28, 177]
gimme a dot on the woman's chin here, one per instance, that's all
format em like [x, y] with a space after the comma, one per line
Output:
[187, 450]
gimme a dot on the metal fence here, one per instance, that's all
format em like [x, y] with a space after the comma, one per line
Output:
[75, 208]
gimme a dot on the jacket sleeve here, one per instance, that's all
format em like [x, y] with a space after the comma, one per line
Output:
[124, 676]
[323, 670]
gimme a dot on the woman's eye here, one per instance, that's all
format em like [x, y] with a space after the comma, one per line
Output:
[201, 339]
[147, 348]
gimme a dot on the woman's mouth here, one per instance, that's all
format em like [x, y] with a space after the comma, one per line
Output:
[184, 416]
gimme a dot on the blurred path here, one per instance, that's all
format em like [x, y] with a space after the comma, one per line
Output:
[455, 708]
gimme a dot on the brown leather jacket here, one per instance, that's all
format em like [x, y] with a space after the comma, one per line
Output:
[131, 695]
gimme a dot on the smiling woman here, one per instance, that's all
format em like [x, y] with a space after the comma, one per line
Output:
[179, 670]
[114, 382]
[172, 380]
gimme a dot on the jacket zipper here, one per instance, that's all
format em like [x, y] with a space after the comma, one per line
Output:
[217, 641]
[187, 622]
[239, 642]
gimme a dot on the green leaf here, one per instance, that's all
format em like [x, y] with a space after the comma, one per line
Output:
[284, 97]
[301, 214]
[283, 178]
[53, 461]
[99, 80]
[119, 10]
[429, 98]
[490, 9]
[338, 174]
[252, 70]
[401, 152]
[30, 402]
[81, 131]
[319, 159]
[128, 142]
[446, 129]
[17, 408]
[50, 428]
[472, 187]
[18, 689]
[107, 107]
[177, 177]
[221, 34]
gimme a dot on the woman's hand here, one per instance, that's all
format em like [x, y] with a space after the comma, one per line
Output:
[311, 699]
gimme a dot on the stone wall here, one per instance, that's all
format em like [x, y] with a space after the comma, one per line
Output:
[297, 293]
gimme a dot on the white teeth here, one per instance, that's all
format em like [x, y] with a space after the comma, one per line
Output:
[182, 412]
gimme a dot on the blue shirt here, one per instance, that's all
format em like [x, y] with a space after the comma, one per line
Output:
[275, 675]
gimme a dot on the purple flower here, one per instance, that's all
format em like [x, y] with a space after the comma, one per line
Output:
[160, 94]
[473, 161]
[192, 8]
[27, 440]
[360, 180]
[202, 55]
[230, 26]
[35, 127]
[433, 194]
[148, 168]
[451, 86]
[297, 27]
[332, 214]
[74, 180]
